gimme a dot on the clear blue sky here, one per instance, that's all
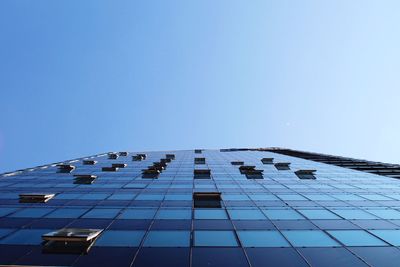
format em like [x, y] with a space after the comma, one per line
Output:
[82, 77]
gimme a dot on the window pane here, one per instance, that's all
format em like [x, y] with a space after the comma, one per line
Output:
[102, 213]
[356, 238]
[25, 237]
[309, 238]
[246, 215]
[354, 214]
[319, 214]
[120, 238]
[122, 197]
[32, 213]
[282, 214]
[390, 236]
[6, 211]
[210, 214]
[66, 213]
[262, 239]
[215, 239]
[138, 214]
[385, 213]
[174, 214]
[167, 239]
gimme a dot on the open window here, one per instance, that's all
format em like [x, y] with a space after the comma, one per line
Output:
[254, 174]
[123, 154]
[109, 169]
[119, 165]
[237, 162]
[70, 240]
[139, 157]
[306, 174]
[165, 160]
[207, 199]
[35, 197]
[198, 151]
[282, 166]
[246, 168]
[199, 160]
[113, 156]
[202, 174]
[170, 156]
[151, 173]
[65, 168]
[267, 160]
[89, 162]
[84, 178]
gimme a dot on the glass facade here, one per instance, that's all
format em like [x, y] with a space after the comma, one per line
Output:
[343, 217]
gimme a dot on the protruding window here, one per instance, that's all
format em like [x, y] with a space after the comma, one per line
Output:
[89, 162]
[165, 160]
[207, 199]
[246, 168]
[65, 168]
[282, 166]
[199, 160]
[267, 161]
[84, 178]
[198, 151]
[151, 173]
[254, 174]
[113, 156]
[306, 174]
[35, 197]
[70, 240]
[202, 174]
[237, 162]
[170, 156]
[139, 157]
[109, 169]
[119, 165]
[123, 154]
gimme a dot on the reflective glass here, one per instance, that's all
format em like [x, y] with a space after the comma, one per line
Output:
[246, 214]
[210, 214]
[385, 213]
[6, 211]
[390, 236]
[318, 214]
[167, 239]
[309, 238]
[174, 214]
[354, 214]
[262, 239]
[120, 238]
[138, 214]
[215, 239]
[283, 214]
[356, 238]
[102, 213]
[66, 213]
[31, 213]
[25, 237]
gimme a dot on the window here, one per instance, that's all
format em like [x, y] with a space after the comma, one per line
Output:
[198, 151]
[356, 238]
[237, 162]
[246, 214]
[262, 239]
[65, 168]
[67, 213]
[102, 213]
[140, 214]
[151, 173]
[306, 174]
[282, 166]
[207, 200]
[309, 238]
[6, 211]
[167, 239]
[267, 160]
[170, 156]
[120, 239]
[210, 214]
[70, 240]
[31, 213]
[119, 165]
[202, 174]
[89, 162]
[353, 214]
[84, 178]
[124, 153]
[139, 157]
[35, 197]
[109, 169]
[282, 214]
[25, 237]
[215, 239]
[389, 214]
[181, 214]
[199, 160]
[113, 156]
[246, 168]
[122, 196]
[319, 214]
[390, 236]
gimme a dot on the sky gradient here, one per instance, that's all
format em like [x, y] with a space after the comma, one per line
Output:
[84, 77]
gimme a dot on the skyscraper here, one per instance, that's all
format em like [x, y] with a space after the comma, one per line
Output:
[228, 207]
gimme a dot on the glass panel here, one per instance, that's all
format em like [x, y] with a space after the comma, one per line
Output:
[167, 239]
[283, 214]
[356, 238]
[309, 238]
[6, 211]
[122, 197]
[246, 215]
[262, 239]
[319, 214]
[210, 214]
[385, 213]
[66, 213]
[31, 213]
[138, 214]
[25, 237]
[354, 214]
[215, 239]
[390, 236]
[120, 238]
[174, 214]
[102, 213]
